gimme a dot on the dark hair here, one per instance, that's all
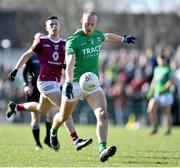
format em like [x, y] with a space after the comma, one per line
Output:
[162, 56]
[52, 17]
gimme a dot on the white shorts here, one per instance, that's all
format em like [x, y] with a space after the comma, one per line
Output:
[164, 99]
[79, 94]
[47, 87]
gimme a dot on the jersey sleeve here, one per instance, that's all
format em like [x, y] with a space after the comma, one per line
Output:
[101, 35]
[36, 45]
[70, 46]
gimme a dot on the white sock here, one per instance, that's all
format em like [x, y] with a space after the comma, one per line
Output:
[75, 141]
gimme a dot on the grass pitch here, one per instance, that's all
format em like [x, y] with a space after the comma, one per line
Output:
[135, 148]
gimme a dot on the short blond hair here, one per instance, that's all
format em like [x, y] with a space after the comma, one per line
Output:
[90, 12]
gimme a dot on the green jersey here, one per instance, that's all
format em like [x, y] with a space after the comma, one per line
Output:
[161, 75]
[86, 49]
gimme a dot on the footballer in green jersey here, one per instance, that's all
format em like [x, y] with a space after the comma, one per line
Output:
[162, 97]
[86, 49]
[82, 55]
[162, 75]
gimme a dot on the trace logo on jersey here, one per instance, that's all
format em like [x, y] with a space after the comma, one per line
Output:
[91, 50]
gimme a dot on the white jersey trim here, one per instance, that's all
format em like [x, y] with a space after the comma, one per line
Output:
[49, 38]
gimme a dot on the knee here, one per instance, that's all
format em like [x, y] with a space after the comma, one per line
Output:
[149, 111]
[61, 118]
[64, 118]
[34, 118]
[102, 114]
[151, 106]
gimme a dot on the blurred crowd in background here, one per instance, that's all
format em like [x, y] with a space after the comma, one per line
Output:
[125, 76]
[125, 72]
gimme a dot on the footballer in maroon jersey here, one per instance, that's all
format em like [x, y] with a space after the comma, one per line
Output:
[51, 56]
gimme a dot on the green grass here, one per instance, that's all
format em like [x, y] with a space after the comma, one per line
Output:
[135, 148]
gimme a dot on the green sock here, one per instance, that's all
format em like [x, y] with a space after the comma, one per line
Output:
[102, 145]
[53, 131]
[168, 130]
[155, 127]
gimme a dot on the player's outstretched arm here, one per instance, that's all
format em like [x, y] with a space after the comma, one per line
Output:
[111, 37]
[23, 59]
